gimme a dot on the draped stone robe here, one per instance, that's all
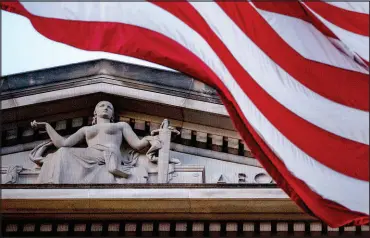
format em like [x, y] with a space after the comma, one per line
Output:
[86, 165]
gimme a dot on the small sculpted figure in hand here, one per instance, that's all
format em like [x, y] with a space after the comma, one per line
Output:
[101, 161]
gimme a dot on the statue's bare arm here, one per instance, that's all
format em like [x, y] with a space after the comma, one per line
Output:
[132, 138]
[58, 140]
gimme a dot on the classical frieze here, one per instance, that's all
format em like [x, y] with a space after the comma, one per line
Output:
[185, 160]
[193, 135]
[188, 150]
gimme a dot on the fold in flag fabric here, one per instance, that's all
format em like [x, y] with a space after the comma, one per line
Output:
[293, 76]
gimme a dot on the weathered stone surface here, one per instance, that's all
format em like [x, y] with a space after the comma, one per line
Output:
[103, 161]
[214, 168]
[124, 71]
[12, 174]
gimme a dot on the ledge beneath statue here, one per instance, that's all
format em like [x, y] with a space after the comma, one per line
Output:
[152, 203]
[177, 174]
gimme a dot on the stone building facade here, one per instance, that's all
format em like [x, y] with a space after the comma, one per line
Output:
[216, 189]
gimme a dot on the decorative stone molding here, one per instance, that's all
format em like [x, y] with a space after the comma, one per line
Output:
[268, 228]
[12, 174]
[97, 70]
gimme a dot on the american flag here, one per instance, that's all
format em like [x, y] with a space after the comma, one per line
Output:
[293, 76]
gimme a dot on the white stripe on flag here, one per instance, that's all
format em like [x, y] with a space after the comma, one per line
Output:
[300, 32]
[356, 42]
[360, 7]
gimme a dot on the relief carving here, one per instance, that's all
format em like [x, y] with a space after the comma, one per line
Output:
[12, 174]
[104, 160]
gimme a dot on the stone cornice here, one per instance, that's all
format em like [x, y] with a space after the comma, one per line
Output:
[156, 203]
[106, 71]
[108, 81]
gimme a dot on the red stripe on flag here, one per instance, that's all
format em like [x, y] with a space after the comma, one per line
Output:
[14, 7]
[351, 21]
[317, 23]
[330, 212]
[342, 86]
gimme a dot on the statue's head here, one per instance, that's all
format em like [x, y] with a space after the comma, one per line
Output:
[103, 109]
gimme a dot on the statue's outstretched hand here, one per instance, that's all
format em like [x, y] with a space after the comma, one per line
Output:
[154, 132]
[155, 143]
[35, 124]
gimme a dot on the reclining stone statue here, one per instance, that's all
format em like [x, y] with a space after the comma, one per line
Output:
[102, 161]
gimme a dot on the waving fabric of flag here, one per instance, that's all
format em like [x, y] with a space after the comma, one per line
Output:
[294, 77]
